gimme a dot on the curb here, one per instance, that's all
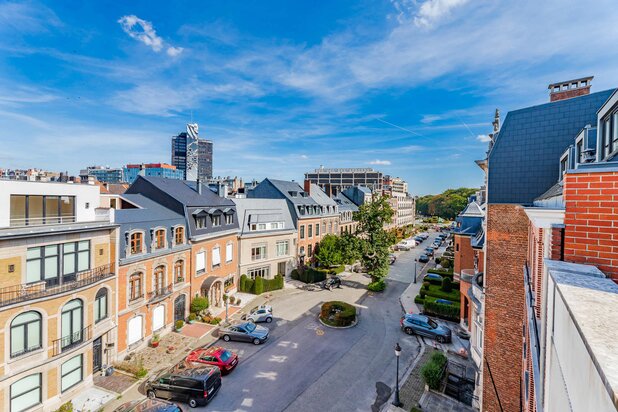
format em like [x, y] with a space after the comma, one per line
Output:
[338, 327]
[405, 376]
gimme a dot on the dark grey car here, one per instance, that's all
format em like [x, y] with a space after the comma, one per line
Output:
[244, 332]
[425, 326]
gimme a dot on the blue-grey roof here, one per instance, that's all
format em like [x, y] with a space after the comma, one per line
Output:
[357, 194]
[344, 203]
[320, 197]
[523, 160]
[278, 189]
[263, 211]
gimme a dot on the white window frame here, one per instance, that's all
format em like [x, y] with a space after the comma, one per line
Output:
[216, 257]
[262, 272]
[200, 262]
[260, 256]
[229, 252]
[283, 247]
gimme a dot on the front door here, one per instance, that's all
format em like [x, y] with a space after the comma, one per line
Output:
[97, 354]
[281, 268]
[179, 308]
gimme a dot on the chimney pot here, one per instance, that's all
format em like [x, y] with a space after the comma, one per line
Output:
[307, 187]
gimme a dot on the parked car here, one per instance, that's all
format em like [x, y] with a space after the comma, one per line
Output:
[148, 405]
[222, 358]
[429, 251]
[403, 245]
[425, 326]
[435, 245]
[332, 282]
[419, 239]
[434, 276]
[423, 258]
[391, 259]
[195, 386]
[262, 313]
[244, 332]
[444, 301]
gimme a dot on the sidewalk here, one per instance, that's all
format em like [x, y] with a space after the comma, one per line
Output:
[407, 297]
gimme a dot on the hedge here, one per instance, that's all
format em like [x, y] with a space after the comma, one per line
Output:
[438, 293]
[311, 275]
[441, 272]
[432, 281]
[418, 299]
[440, 310]
[433, 370]
[295, 275]
[338, 313]
[260, 285]
[378, 286]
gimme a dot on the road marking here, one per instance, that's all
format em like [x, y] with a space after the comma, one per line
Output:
[319, 332]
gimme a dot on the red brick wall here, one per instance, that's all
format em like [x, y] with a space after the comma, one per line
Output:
[591, 220]
[507, 246]
[464, 254]
[557, 236]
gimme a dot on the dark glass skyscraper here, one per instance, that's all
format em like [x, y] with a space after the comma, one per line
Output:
[180, 159]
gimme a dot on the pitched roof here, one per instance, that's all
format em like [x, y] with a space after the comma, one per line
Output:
[344, 203]
[320, 197]
[148, 211]
[522, 162]
[263, 211]
[286, 187]
[554, 191]
[472, 210]
[186, 192]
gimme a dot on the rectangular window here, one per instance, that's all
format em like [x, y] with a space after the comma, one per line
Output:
[26, 393]
[258, 252]
[216, 257]
[229, 219]
[261, 226]
[229, 252]
[200, 222]
[283, 248]
[262, 272]
[71, 373]
[302, 231]
[40, 210]
[18, 210]
[281, 266]
[216, 220]
[52, 209]
[310, 231]
[44, 263]
[615, 131]
[160, 239]
[200, 262]
[606, 137]
[309, 250]
[317, 229]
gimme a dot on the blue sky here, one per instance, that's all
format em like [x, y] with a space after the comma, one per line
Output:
[406, 86]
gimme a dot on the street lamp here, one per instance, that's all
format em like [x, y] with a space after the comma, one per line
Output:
[397, 402]
[415, 260]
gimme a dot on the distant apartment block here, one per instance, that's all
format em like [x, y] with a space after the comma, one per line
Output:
[192, 155]
[103, 174]
[165, 170]
[31, 175]
[333, 181]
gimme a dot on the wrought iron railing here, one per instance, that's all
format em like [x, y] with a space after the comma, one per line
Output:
[160, 293]
[30, 291]
[72, 340]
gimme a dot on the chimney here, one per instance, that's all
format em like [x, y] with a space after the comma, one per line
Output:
[199, 186]
[569, 89]
[307, 187]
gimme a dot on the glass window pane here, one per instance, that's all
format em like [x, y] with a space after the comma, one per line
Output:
[84, 245]
[18, 210]
[51, 209]
[69, 264]
[34, 335]
[83, 262]
[66, 325]
[26, 393]
[51, 250]
[34, 252]
[35, 210]
[67, 204]
[69, 247]
[51, 267]
[96, 309]
[71, 372]
[33, 271]
[77, 320]
[17, 339]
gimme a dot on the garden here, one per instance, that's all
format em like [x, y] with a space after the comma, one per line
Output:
[439, 294]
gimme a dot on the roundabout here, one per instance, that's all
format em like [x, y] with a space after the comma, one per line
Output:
[338, 315]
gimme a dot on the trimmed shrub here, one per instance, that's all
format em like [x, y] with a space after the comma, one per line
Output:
[179, 324]
[419, 299]
[447, 285]
[246, 285]
[422, 293]
[260, 285]
[338, 269]
[438, 293]
[295, 275]
[313, 275]
[258, 288]
[446, 263]
[426, 285]
[442, 272]
[378, 286]
[199, 304]
[432, 281]
[192, 316]
[433, 370]
[338, 313]
[243, 283]
[440, 310]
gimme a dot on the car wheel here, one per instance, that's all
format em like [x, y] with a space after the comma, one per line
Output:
[440, 339]
[269, 319]
[256, 341]
[251, 320]
[226, 338]
[409, 331]
[192, 403]
[151, 394]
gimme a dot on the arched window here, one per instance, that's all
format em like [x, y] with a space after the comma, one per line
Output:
[26, 331]
[179, 235]
[160, 239]
[159, 280]
[26, 393]
[72, 323]
[100, 305]
[135, 286]
[179, 270]
[136, 243]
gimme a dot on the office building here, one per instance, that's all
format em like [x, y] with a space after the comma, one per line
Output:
[103, 174]
[192, 154]
[333, 181]
[151, 169]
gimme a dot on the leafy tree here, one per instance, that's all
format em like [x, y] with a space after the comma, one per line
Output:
[372, 217]
[350, 247]
[446, 205]
[329, 252]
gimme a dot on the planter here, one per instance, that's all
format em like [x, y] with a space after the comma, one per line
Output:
[154, 344]
[179, 329]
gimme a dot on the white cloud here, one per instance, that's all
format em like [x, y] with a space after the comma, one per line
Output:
[483, 138]
[380, 162]
[430, 118]
[147, 35]
[432, 12]
[174, 51]
[304, 157]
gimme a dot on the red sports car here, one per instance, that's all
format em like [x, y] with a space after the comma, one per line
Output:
[224, 359]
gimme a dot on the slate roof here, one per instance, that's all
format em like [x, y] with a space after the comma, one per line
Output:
[344, 203]
[472, 210]
[522, 162]
[273, 189]
[263, 211]
[185, 191]
[555, 190]
[320, 197]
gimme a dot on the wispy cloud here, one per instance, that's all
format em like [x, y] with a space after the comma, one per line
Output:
[483, 138]
[143, 31]
[432, 12]
[380, 162]
[26, 18]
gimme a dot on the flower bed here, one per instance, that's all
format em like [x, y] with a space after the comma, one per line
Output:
[338, 314]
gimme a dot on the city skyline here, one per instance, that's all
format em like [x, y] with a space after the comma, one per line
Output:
[283, 92]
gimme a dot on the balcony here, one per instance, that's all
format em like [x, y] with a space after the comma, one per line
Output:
[30, 291]
[467, 275]
[42, 221]
[160, 294]
[72, 340]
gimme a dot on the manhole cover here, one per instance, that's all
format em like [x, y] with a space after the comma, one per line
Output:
[319, 332]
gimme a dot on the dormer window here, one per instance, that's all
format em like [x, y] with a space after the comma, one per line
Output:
[200, 222]
[229, 219]
[159, 239]
[179, 235]
[136, 243]
[293, 194]
[216, 220]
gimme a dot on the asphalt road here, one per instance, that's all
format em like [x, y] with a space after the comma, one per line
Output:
[305, 366]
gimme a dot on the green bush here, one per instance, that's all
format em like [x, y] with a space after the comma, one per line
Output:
[247, 285]
[243, 281]
[446, 263]
[258, 288]
[179, 324]
[338, 313]
[199, 304]
[442, 272]
[313, 275]
[433, 370]
[438, 293]
[192, 316]
[260, 285]
[338, 269]
[449, 312]
[422, 293]
[65, 407]
[378, 286]
[447, 285]
[294, 275]
[419, 299]
[432, 281]
[426, 285]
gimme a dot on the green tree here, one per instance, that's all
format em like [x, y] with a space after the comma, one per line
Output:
[329, 253]
[372, 217]
[446, 205]
[350, 247]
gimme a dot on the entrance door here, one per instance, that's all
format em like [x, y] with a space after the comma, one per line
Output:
[135, 330]
[97, 354]
[281, 268]
[179, 308]
[158, 318]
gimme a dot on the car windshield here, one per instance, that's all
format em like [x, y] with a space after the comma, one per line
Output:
[433, 324]
[254, 310]
[250, 327]
[225, 355]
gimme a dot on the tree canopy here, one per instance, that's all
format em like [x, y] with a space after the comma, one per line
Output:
[446, 205]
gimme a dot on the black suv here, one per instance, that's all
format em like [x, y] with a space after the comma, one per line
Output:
[195, 386]
[330, 283]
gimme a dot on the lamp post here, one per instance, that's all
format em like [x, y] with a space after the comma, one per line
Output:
[397, 402]
[415, 270]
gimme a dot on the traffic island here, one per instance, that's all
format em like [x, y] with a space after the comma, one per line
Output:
[339, 315]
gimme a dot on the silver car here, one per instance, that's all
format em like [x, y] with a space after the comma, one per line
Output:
[245, 332]
[262, 313]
